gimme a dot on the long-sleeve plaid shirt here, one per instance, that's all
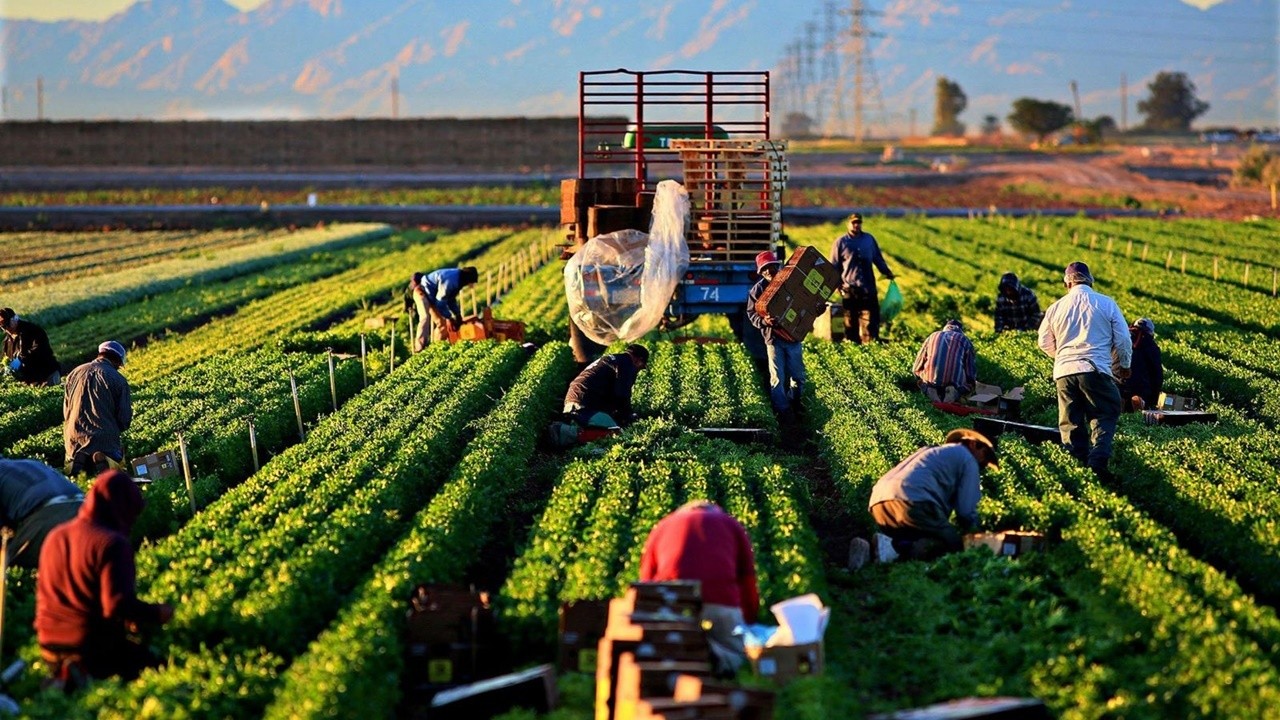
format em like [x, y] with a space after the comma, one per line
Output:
[947, 358]
[1020, 313]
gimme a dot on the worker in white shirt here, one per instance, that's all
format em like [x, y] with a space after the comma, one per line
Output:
[1087, 337]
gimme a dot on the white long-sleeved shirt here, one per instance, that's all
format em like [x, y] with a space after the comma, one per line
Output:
[1084, 331]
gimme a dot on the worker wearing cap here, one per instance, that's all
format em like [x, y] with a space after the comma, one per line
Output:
[1017, 307]
[27, 353]
[1146, 379]
[946, 366]
[600, 396]
[785, 357]
[1086, 335]
[96, 409]
[86, 590]
[853, 254]
[912, 503]
[437, 298]
[702, 542]
[34, 499]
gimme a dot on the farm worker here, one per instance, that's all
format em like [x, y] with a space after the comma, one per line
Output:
[27, 354]
[600, 397]
[699, 541]
[1086, 335]
[86, 600]
[853, 254]
[34, 499]
[946, 364]
[1017, 307]
[785, 357]
[415, 308]
[437, 298]
[912, 503]
[96, 409]
[1146, 379]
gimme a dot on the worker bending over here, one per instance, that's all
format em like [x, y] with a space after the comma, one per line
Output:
[27, 354]
[946, 365]
[785, 357]
[601, 394]
[702, 542]
[912, 503]
[86, 598]
[1086, 335]
[1017, 307]
[96, 409]
[436, 300]
[34, 499]
[1146, 377]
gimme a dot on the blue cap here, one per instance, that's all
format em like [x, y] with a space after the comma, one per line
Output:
[112, 346]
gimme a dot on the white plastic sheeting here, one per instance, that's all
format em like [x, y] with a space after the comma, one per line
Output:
[619, 285]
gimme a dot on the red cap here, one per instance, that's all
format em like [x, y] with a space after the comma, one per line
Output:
[766, 257]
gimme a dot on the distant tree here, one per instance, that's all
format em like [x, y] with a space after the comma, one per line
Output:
[990, 125]
[949, 102]
[1172, 104]
[1039, 117]
[797, 125]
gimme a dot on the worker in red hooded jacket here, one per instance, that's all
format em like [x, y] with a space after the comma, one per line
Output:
[86, 598]
[699, 541]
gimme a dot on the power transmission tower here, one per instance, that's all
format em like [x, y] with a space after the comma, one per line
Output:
[1124, 102]
[858, 56]
[830, 80]
[813, 106]
[39, 97]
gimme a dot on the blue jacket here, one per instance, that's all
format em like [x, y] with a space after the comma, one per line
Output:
[26, 485]
[442, 288]
[853, 257]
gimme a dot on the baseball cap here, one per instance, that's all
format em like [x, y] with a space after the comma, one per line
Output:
[111, 346]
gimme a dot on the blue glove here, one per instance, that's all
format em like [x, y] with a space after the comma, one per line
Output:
[15, 365]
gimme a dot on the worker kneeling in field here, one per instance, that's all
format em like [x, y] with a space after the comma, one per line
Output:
[436, 300]
[27, 353]
[946, 365]
[1017, 307]
[785, 357]
[86, 600]
[96, 409]
[34, 499]
[1142, 388]
[702, 542]
[600, 397]
[912, 503]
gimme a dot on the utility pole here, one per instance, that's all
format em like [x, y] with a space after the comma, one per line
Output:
[831, 66]
[811, 95]
[1124, 102]
[4, 102]
[395, 95]
[912, 114]
[39, 97]
[1075, 98]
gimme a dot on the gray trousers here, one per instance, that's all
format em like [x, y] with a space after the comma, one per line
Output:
[923, 525]
[727, 649]
[1089, 407]
[28, 537]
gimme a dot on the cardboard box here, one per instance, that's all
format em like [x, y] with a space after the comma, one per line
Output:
[449, 634]
[993, 397]
[798, 294]
[156, 466]
[582, 624]
[784, 663]
[1177, 402]
[1008, 543]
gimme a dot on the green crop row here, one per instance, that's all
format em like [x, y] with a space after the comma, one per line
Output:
[703, 385]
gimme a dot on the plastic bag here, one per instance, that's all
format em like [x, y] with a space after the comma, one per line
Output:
[618, 285]
[891, 305]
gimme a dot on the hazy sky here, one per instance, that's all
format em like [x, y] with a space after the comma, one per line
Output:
[339, 58]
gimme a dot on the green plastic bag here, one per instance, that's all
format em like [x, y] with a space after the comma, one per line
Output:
[891, 305]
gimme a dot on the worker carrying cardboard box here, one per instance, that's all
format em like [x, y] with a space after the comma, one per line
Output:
[946, 365]
[1017, 307]
[86, 597]
[700, 541]
[435, 298]
[1086, 335]
[34, 499]
[96, 409]
[785, 357]
[28, 356]
[912, 503]
[853, 254]
[1141, 390]
[600, 397]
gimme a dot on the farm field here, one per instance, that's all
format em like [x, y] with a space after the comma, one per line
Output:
[1156, 599]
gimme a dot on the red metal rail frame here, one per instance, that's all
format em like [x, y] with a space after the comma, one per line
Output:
[659, 103]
